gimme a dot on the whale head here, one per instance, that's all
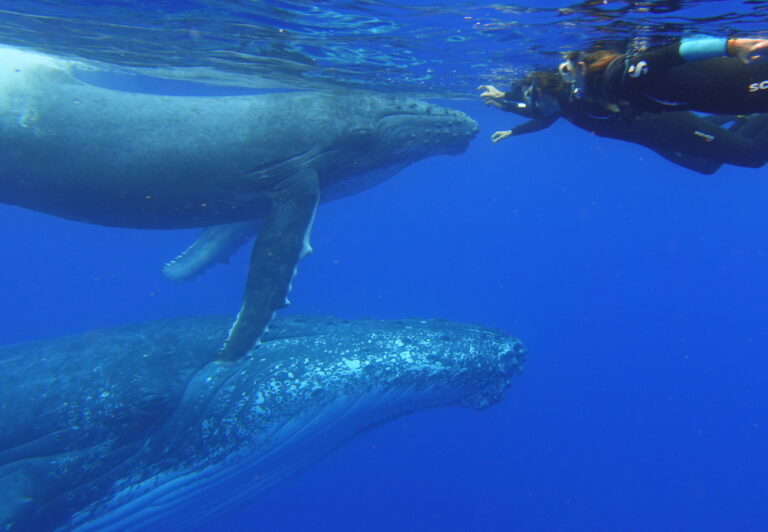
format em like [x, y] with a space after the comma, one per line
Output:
[408, 128]
[166, 438]
[381, 135]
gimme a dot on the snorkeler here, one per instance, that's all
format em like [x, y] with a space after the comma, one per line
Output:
[707, 74]
[694, 142]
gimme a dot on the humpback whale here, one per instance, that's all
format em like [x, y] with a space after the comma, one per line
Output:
[240, 165]
[138, 427]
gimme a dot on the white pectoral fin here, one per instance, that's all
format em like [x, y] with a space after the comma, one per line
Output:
[282, 242]
[215, 244]
[306, 246]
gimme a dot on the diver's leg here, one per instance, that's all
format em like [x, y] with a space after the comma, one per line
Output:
[756, 129]
[751, 126]
[695, 136]
[696, 164]
[721, 120]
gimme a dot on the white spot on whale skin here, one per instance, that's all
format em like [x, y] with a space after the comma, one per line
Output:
[354, 365]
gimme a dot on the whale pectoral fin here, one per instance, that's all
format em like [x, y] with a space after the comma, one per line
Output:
[283, 240]
[215, 244]
[16, 497]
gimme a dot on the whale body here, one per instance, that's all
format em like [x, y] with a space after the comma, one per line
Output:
[138, 427]
[240, 165]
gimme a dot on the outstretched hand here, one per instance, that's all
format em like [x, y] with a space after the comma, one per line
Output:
[749, 50]
[501, 135]
[491, 96]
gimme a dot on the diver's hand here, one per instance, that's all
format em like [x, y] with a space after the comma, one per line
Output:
[748, 50]
[501, 135]
[491, 96]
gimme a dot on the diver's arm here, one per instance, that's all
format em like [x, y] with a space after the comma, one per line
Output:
[492, 96]
[505, 101]
[502, 100]
[640, 73]
[689, 49]
[748, 50]
[638, 68]
[511, 106]
[531, 126]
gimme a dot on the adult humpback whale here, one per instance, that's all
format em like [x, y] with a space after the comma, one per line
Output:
[237, 163]
[138, 427]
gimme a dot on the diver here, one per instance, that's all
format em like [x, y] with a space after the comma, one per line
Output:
[684, 138]
[707, 74]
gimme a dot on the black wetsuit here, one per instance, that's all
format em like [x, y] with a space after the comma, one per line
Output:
[662, 80]
[689, 140]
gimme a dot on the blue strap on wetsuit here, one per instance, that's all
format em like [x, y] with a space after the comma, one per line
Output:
[695, 48]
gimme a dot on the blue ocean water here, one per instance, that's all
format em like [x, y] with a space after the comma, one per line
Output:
[639, 287]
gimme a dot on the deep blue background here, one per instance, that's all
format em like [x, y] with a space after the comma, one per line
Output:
[639, 288]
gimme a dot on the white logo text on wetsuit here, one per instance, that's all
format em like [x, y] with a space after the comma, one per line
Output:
[763, 85]
[637, 70]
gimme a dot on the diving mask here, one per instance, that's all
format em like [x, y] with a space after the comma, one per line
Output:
[574, 73]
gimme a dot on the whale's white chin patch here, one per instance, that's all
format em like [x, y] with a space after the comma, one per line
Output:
[186, 498]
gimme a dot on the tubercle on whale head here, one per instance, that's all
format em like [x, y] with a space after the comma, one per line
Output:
[384, 135]
[509, 361]
[425, 362]
[433, 131]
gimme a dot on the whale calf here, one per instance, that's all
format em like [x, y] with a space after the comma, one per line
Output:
[138, 427]
[240, 165]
